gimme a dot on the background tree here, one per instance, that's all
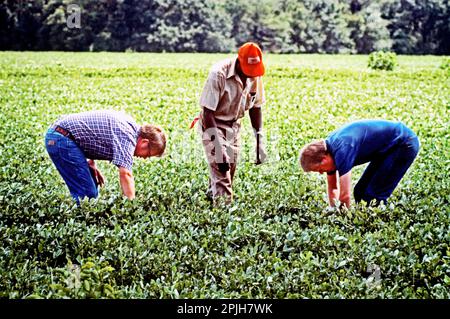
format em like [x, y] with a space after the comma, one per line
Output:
[19, 24]
[264, 22]
[320, 26]
[369, 30]
[286, 26]
[418, 26]
[191, 26]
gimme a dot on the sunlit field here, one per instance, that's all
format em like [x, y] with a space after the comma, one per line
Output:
[277, 240]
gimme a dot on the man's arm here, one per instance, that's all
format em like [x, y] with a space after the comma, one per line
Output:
[100, 180]
[212, 133]
[333, 191]
[345, 186]
[209, 120]
[256, 118]
[255, 114]
[127, 182]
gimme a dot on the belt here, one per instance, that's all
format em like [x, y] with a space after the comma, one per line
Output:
[229, 123]
[64, 132]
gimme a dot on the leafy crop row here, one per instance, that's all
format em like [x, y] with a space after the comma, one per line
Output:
[277, 240]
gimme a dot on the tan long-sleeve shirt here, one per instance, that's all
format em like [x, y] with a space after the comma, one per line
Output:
[225, 94]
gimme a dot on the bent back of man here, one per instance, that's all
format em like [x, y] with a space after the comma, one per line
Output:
[390, 147]
[74, 141]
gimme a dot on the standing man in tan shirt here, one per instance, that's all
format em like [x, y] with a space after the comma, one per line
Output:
[233, 87]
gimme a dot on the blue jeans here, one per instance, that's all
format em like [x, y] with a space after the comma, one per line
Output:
[71, 164]
[384, 173]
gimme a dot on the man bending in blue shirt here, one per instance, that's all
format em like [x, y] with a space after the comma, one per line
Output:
[100, 135]
[390, 147]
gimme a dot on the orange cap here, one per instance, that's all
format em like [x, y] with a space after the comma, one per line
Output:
[250, 60]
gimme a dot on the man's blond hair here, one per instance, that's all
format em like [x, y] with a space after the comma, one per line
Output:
[156, 137]
[312, 154]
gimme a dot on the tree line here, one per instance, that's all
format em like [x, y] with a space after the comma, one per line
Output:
[284, 26]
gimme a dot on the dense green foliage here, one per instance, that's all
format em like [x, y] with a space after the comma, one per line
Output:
[446, 64]
[287, 26]
[277, 240]
[382, 60]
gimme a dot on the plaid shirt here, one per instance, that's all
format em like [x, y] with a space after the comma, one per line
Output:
[104, 135]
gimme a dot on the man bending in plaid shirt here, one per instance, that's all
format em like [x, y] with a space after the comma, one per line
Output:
[76, 140]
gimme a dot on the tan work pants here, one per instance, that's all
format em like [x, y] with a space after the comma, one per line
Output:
[220, 183]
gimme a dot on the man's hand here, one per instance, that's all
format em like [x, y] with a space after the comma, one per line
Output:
[96, 174]
[261, 154]
[345, 187]
[223, 158]
[224, 167]
[211, 132]
[127, 182]
[256, 119]
[332, 188]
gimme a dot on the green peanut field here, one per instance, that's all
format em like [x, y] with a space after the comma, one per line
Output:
[278, 239]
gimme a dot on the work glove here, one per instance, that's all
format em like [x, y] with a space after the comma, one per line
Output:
[261, 154]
